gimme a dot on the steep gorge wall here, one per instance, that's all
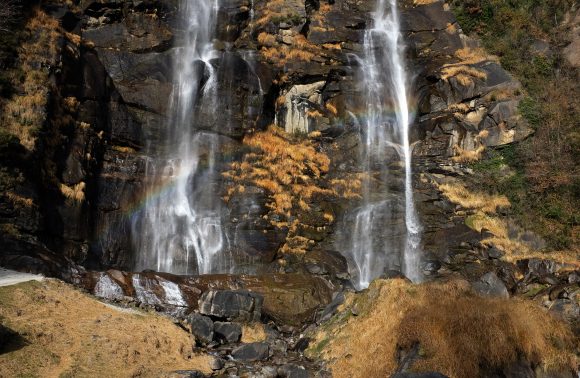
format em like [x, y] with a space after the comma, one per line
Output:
[292, 63]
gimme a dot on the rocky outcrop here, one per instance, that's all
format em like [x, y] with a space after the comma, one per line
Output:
[285, 298]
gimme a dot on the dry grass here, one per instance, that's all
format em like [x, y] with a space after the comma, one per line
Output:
[266, 39]
[19, 200]
[25, 113]
[424, 2]
[253, 333]
[291, 172]
[457, 332]
[286, 168]
[469, 55]
[467, 199]
[462, 73]
[69, 334]
[76, 193]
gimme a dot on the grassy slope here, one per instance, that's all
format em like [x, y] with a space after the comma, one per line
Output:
[69, 334]
[455, 332]
[540, 175]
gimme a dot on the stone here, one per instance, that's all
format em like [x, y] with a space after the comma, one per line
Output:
[298, 100]
[186, 374]
[202, 327]
[251, 352]
[419, 375]
[227, 332]
[490, 285]
[231, 304]
[217, 364]
[292, 371]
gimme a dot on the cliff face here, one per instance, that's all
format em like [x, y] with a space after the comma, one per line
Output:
[290, 64]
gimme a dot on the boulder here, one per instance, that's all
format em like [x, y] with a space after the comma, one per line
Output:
[231, 304]
[251, 352]
[490, 285]
[292, 371]
[227, 332]
[202, 327]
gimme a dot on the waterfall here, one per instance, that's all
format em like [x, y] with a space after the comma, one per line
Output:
[374, 245]
[179, 228]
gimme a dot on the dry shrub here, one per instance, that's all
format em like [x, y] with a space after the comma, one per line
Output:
[76, 193]
[469, 55]
[462, 73]
[253, 333]
[19, 200]
[288, 169]
[266, 39]
[331, 108]
[484, 202]
[458, 333]
[25, 112]
[470, 156]
[424, 2]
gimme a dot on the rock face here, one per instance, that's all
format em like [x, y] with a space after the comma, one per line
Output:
[285, 298]
[231, 305]
[293, 64]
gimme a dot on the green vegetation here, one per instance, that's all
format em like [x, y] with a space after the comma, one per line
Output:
[540, 175]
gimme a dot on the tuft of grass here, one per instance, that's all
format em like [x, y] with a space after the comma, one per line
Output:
[25, 111]
[457, 332]
[75, 193]
[467, 199]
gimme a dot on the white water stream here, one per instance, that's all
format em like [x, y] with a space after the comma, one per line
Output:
[386, 126]
[179, 230]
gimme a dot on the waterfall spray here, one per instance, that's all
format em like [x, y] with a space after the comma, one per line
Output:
[179, 229]
[386, 126]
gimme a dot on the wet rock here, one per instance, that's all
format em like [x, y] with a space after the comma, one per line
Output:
[232, 305]
[227, 332]
[292, 371]
[251, 352]
[202, 327]
[490, 285]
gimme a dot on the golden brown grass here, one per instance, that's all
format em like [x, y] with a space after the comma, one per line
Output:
[462, 73]
[457, 332]
[253, 333]
[69, 334]
[484, 202]
[291, 171]
[25, 112]
[424, 2]
[287, 168]
[75, 193]
[17, 199]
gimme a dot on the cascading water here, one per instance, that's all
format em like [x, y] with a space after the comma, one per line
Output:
[179, 230]
[373, 244]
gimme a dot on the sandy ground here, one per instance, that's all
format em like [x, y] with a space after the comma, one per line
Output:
[60, 331]
[11, 277]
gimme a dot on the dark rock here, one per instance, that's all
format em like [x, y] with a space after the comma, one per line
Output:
[217, 364]
[231, 305]
[332, 307]
[227, 332]
[490, 285]
[292, 371]
[202, 327]
[419, 375]
[302, 344]
[186, 374]
[431, 267]
[251, 352]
